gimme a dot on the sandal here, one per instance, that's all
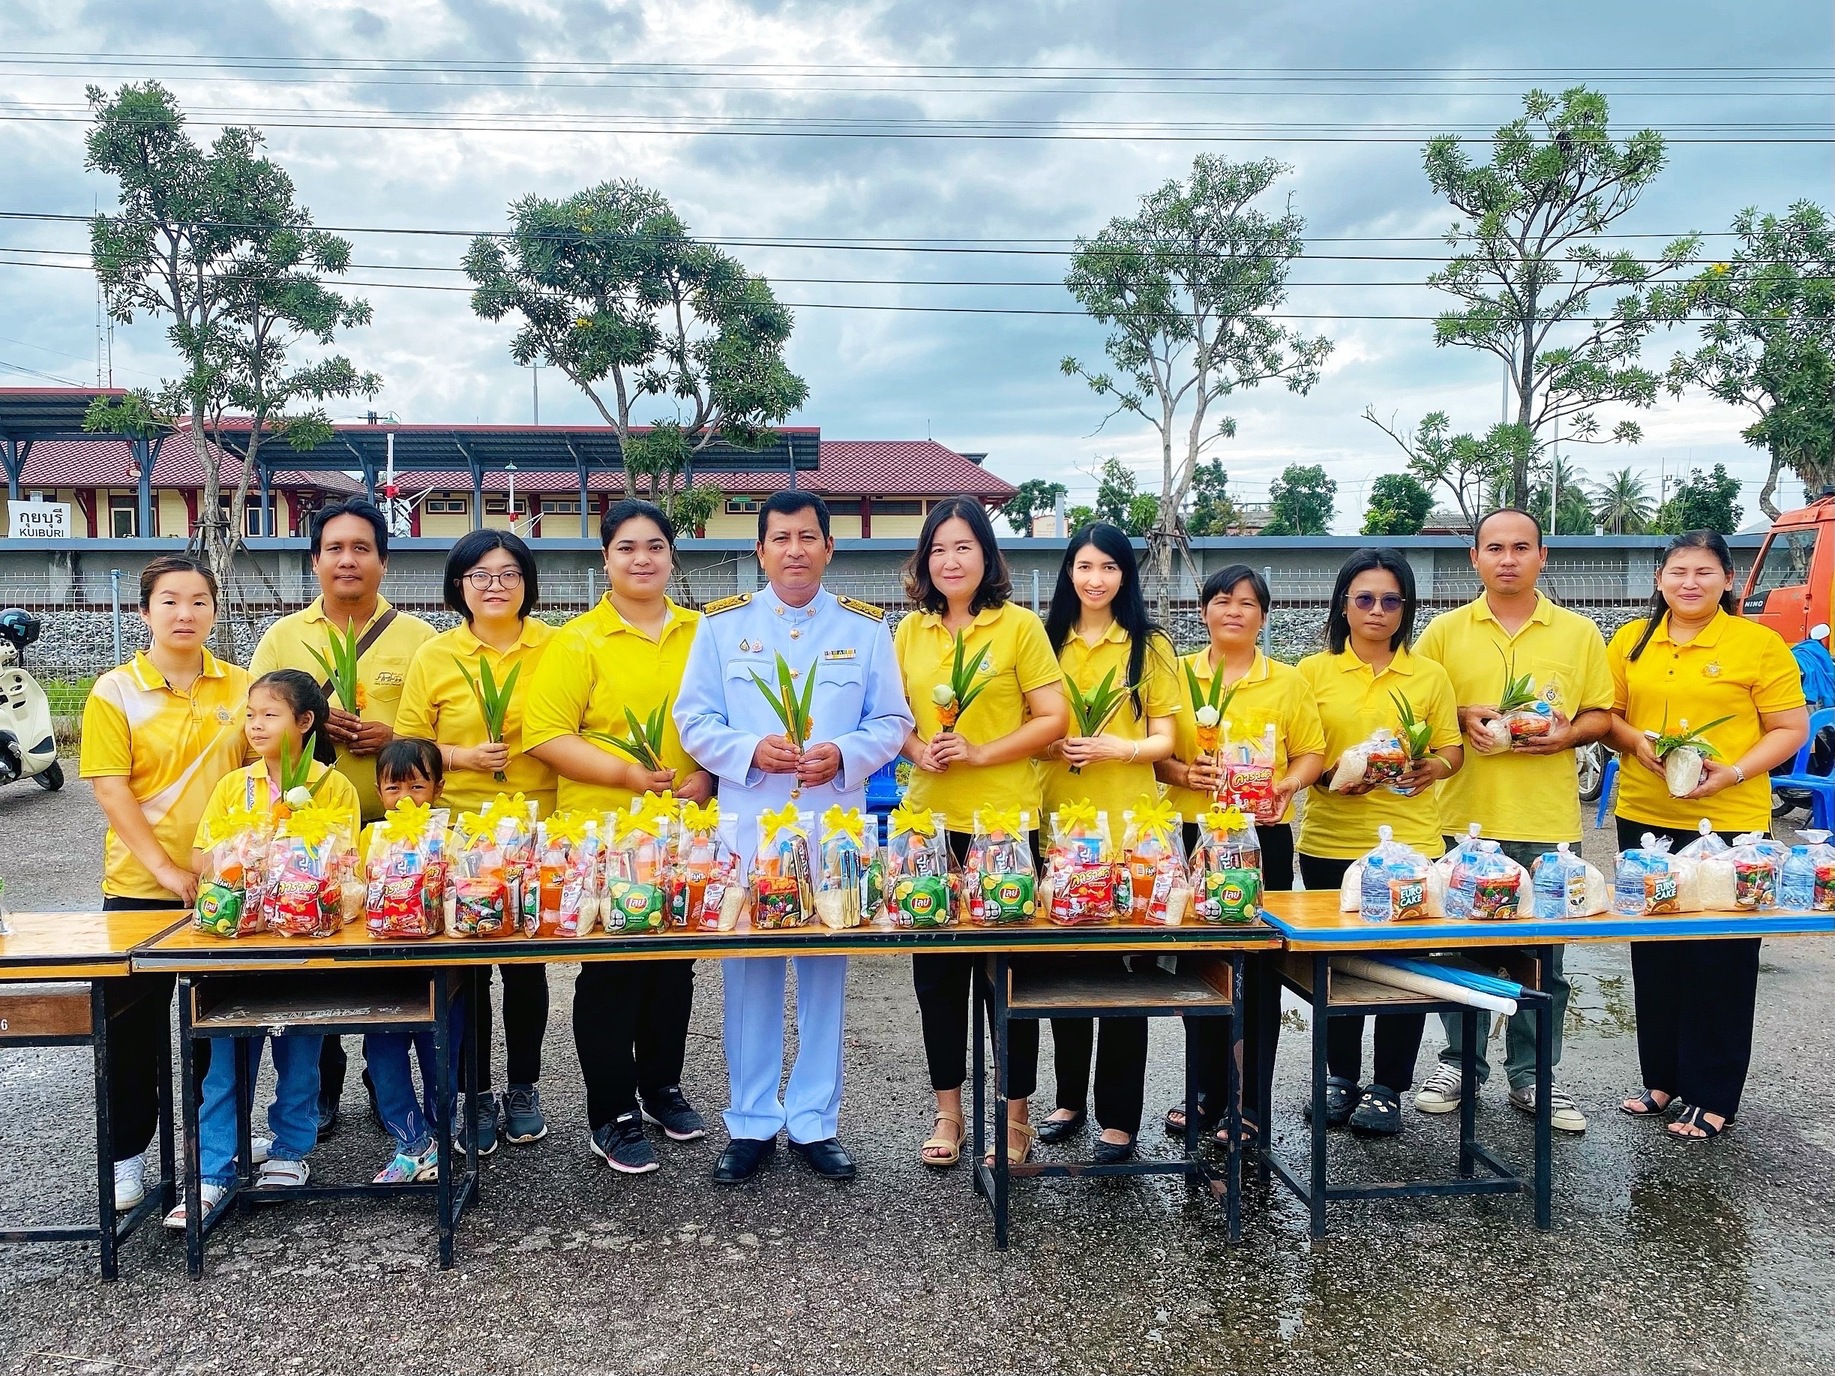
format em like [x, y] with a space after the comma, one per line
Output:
[1694, 1116]
[1175, 1118]
[948, 1149]
[1648, 1107]
[1015, 1158]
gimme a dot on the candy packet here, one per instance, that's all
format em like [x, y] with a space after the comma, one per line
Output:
[406, 872]
[998, 882]
[638, 868]
[1080, 876]
[1248, 774]
[235, 868]
[305, 867]
[917, 888]
[1392, 883]
[1153, 859]
[705, 894]
[849, 854]
[1561, 884]
[1381, 759]
[569, 875]
[783, 894]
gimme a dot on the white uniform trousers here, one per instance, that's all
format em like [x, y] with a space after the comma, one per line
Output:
[754, 1031]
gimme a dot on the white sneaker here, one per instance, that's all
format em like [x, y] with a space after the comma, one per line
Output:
[1563, 1114]
[130, 1182]
[213, 1196]
[258, 1149]
[1442, 1090]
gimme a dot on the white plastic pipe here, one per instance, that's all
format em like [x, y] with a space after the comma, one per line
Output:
[1378, 973]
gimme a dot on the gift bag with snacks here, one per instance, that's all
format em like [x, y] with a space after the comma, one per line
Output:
[1153, 859]
[406, 872]
[1248, 774]
[638, 868]
[1757, 861]
[1381, 759]
[705, 894]
[489, 864]
[1227, 840]
[1486, 885]
[1392, 883]
[569, 875]
[1648, 881]
[999, 883]
[1711, 860]
[782, 887]
[235, 869]
[849, 855]
[306, 865]
[1080, 868]
[1564, 885]
[1226, 875]
[917, 885]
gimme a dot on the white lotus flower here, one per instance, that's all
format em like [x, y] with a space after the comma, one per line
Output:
[942, 695]
[298, 797]
[1208, 715]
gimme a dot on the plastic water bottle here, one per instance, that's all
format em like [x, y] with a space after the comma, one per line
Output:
[1629, 898]
[1551, 884]
[1797, 885]
[1373, 901]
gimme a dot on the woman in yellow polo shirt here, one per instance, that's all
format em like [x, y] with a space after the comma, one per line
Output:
[630, 1017]
[1369, 623]
[958, 580]
[158, 733]
[1693, 657]
[491, 583]
[1262, 694]
[1098, 623]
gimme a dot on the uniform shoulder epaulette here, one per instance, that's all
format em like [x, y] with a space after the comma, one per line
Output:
[726, 604]
[859, 608]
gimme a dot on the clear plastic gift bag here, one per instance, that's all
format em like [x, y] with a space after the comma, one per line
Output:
[235, 868]
[491, 860]
[1757, 862]
[1248, 774]
[999, 880]
[783, 891]
[569, 875]
[1486, 885]
[1227, 840]
[1080, 868]
[1562, 884]
[637, 868]
[306, 864]
[849, 853]
[406, 870]
[1648, 880]
[1226, 875]
[918, 883]
[1381, 759]
[1392, 883]
[1153, 861]
[705, 894]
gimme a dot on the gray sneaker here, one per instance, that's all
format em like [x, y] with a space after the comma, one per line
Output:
[1563, 1114]
[621, 1144]
[487, 1123]
[522, 1115]
[1442, 1090]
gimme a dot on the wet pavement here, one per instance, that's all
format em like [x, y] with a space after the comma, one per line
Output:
[1664, 1257]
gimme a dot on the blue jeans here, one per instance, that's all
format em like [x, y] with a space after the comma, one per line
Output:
[293, 1117]
[410, 1117]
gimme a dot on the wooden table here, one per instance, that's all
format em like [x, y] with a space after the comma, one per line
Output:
[55, 990]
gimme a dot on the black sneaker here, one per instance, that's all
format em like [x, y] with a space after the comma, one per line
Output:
[621, 1144]
[671, 1112]
[1340, 1099]
[522, 1115]
[487, 1123]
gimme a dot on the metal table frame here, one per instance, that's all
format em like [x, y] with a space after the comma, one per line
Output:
[451, 1193]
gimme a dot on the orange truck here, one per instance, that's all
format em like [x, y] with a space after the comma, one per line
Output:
[1792, 582]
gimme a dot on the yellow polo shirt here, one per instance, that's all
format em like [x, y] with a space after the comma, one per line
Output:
[597, 665]
[437, 704]
[1114, 786]
[1012, 657]
[251, 790]
[1732, 667]
[1353, 703]
[381, 672]
[171, 747]
[1518, 797]
[1270, 694]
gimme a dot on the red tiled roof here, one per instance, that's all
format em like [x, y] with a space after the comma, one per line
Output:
[106, 463]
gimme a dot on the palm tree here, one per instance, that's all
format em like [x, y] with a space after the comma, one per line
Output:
[1574, 515]
[1622, 504]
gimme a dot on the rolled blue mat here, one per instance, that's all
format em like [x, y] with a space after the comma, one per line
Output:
[1452, 974]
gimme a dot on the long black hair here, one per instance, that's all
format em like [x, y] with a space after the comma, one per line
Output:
[1129, 607]
[1338, 621]
[301, 691]
[1715, 544]
[996, 588]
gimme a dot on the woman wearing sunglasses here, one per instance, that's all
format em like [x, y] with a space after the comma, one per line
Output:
[1358, 683]
[490, 582]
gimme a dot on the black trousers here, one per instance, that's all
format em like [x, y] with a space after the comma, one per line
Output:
[630, 1028]
[133, 1044]
[1121, 1060]
[1695, 1003]
[525, 1024]
[1398, 1035]
[1261, 1000]
[944, 984]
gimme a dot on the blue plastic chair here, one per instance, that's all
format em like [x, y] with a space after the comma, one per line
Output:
[886, 786]
[1606, 780]
[1820, 787]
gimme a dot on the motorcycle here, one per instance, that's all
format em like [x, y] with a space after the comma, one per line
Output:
[28, 747]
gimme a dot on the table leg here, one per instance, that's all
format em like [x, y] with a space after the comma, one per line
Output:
[188, 1102]
[1232, 1095]
[1545, 1111]
[1321, 1004]
[443, 1094]
[1468, 1101]
[105, 1134]
[477, 990]
[978, 1008]
[248, 1069]
[1002, 1052]
[168, 1164]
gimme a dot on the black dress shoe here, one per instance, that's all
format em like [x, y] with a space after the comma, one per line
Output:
[743, 1158]
[827, 1158]
[1055, 1130]
[1113, 1153]
[1341, 1099]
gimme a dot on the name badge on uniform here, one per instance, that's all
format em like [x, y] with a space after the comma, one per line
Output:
[1712, 668]
[751, 647]
[831, 656]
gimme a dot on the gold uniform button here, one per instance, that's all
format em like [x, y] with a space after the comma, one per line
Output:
[795, 634]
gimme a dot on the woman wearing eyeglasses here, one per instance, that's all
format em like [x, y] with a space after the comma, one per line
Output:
[490, 582]
[1357, 683]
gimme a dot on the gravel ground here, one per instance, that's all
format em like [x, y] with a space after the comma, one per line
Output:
[1664, 1257]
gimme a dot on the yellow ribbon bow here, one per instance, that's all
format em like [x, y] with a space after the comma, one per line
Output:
[1012, 823]
[236, 821]
[407, 821]
[1077, 817]
[785, 819]
[513, 803]
[473, 824]
[908, 821]
[660, 807]
[1155, 817]
[568, 828]
[702, 817]
[312, 826]
[1225, 819]
[848, 822]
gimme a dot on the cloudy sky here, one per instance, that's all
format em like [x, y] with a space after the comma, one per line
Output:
[433, 115]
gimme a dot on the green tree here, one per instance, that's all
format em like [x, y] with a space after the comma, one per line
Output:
[1621, 504]
[1704, 501]
[1301, 501]
[609, 287]
[1079, 516]
[1473, 469]
[1527, 274]
[1116, 489]
[1188, 286]
[1213, 509]
[1562, 487]
[1767, 326]
[1399, 505]
[1031, 499]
